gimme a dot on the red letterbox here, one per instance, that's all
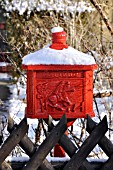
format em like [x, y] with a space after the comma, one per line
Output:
[57, 82]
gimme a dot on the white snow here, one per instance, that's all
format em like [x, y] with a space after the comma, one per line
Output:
[58, 159]
[3, 64]
[58, 6]
[67, 56]
[5, 76]
[17, 159]
[56, 29]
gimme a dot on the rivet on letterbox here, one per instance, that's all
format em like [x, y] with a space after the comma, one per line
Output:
[59, 80]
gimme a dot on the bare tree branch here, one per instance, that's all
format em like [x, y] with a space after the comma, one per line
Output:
[103, 15]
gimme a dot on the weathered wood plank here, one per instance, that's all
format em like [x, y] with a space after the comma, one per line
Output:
[60, 165]
[104, 143]
[5, 166]
[13, 140]
[64, 141]
[47, 145]
[28, 146]
[57, 165]
[108, 165]
[78, 158]
[69, 147]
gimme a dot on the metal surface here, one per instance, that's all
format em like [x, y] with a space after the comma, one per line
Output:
[65, 89]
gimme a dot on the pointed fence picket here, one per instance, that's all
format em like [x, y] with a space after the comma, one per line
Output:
[38, 161]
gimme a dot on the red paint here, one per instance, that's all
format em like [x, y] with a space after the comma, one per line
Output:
[59, 41]
[2, 26]
[58, 89]
[59, 151]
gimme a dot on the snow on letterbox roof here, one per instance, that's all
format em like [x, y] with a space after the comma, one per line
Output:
[48, 56]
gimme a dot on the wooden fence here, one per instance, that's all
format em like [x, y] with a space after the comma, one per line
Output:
[78, 161]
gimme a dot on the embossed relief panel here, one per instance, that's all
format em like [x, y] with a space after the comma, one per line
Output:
[58, 93]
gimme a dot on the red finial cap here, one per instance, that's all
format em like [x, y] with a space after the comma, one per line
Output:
[58, 39]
